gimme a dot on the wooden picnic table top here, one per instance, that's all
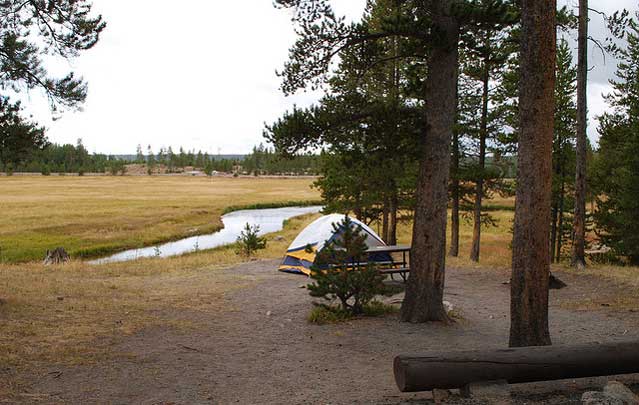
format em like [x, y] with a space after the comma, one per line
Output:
[389, 249]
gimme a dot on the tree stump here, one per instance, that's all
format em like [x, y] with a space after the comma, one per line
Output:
[56, 256]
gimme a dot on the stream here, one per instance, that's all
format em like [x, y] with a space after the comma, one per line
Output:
[269, 220]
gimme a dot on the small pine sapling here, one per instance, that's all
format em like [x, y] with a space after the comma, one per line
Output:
[208, 169]
[249, 241]
[338, 275]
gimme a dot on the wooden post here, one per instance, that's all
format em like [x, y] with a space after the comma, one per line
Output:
[515, 365]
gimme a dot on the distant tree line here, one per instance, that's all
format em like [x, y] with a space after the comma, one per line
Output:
[37, 155]
[266, 161]
[54, 158]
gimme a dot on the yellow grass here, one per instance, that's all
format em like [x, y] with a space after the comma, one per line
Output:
[92, 216]
[496, 255]
[73, 313]
[495, 241]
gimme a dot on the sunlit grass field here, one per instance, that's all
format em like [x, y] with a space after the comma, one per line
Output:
[495, 240]
[94, 216]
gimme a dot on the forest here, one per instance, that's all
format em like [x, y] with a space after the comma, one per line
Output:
[51, 158]
[429, 108]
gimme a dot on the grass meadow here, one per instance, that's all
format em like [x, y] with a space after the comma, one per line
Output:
[95, 216]
[73, 313]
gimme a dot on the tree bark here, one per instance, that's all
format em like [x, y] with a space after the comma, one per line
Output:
[560, 234]
[483, 133]
[454, 216]
[579, 222]
[558, 161]
[553, 231]
[425, 285]
[357, 210]
[531, 261]
[385, 212]
[392, 222]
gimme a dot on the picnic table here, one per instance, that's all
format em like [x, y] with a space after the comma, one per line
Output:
[401, 267]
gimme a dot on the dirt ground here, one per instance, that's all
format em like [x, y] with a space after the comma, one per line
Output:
[261, 349]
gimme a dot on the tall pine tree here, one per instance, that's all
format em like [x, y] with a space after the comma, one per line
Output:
[563, 151]
[531, 261]
[616, 171]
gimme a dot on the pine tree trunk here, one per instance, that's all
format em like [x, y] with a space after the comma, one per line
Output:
[579, 222]
[454, 216]
[560, 235]
[531, 261]
[483, 133]
[392, 223]
[391, 231]
[425, 285]
[558, 173]
[385, 212]
[553, 232]
[357, 210]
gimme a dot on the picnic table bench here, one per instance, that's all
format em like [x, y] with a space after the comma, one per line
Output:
[394, 266]
[388, 267]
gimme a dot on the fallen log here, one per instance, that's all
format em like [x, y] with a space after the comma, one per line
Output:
[516, 365]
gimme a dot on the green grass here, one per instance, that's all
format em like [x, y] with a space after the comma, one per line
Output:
[263, 206]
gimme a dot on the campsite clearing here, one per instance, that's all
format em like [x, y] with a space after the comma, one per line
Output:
[252, 344]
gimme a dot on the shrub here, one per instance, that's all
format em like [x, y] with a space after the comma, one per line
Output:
[249, 241]
[337, 278]
[208, 169]
[46, 170]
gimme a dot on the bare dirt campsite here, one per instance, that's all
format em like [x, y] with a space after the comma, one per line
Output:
[207, 328]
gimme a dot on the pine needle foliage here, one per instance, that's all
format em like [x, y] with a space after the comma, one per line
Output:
[615, 173]
[340, 272]
[249, 241]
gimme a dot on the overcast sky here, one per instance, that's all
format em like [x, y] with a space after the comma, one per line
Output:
[202, 75]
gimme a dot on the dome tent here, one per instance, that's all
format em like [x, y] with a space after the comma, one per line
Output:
[299, 258]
